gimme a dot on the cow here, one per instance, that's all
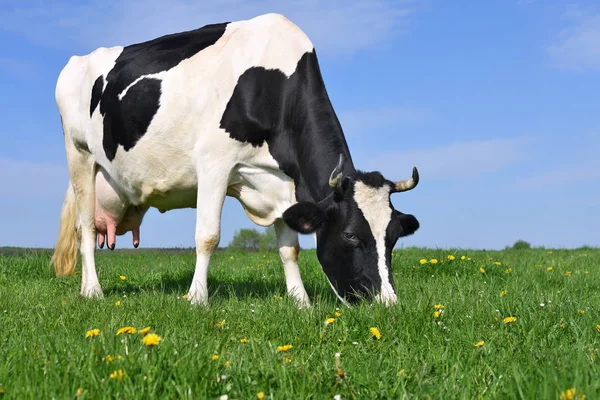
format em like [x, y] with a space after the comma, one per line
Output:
[234, 109]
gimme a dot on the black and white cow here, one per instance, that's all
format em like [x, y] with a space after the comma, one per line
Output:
[233, 109]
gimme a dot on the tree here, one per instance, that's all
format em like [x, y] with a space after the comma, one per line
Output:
[246, 239]
[521, 245]
[268, 240]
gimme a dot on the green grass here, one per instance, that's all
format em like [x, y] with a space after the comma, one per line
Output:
[548, 349]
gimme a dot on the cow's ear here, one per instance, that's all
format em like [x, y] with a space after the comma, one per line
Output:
[408, 223]
[305, 217]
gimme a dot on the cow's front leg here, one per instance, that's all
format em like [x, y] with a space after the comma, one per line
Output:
[287, 241]
[211, 195]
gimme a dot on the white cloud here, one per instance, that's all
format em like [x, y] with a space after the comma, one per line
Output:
[356, 122]
[334, 27]
[454, 161]
[578, 45]
[586, 171]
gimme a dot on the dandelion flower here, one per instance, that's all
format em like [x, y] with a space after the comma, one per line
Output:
[244, 340]
[118, 375]
[118, 303]
[462, 257]
[329, 321]
[126, 329]
[92, 333]
[549, 269]
[121, 277]
[508, 271]
[401, 372]
[482, 270]
[423, 261]
[503, 293]
[497, 263]
[79, 392]
[227, 363]
[375, 332]
[438, 307]
[433, 261]
[285, 348]
[468, 258]
[185, 296]
[436, 314]
[260, 395]
[571, 394]
[581, 311]
[144, 331]
[337, 314]
[221, 324]
[598, 328]
[479, 344]
[508, 320]
[151, 339]
[451, 257]
[568, 273]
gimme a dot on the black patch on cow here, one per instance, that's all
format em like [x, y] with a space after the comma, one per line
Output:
[96, 94]
[126, 120]
[294, 116]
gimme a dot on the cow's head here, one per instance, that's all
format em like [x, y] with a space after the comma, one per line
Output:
[357, 228]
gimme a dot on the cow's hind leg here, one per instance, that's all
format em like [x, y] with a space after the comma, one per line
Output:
[289, 247]
[212, 189]
[82, 172]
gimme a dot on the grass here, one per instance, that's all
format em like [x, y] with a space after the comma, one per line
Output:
[553, 345]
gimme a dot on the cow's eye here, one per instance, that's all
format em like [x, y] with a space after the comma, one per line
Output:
[351, 237]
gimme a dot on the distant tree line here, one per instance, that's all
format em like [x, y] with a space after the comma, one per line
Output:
[252, 240]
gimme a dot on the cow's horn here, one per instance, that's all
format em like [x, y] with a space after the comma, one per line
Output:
[407, 184]
[335, 180]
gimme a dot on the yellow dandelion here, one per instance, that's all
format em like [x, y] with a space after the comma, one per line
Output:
[503, 293]
[436, 314]
[375, 332]
[468, 258]
[482, 270]
[221, 324]
[423, 261]
[244, 340]
[571, 394]
[79, 392]
[549, 269]
[451, 257]
[284, 348]
[92, 333]
[118, 303]
[568, 273]
[495, 318]
[151, 339]
[401, 372]
[581, 311]
[337, 314]
[463, 257]
[330, 320]
[508, 271]
[214, 357]
[508, 320]
[185, 296]
[109, 358]
[598, 328]
[479, 344]
[438, 307]
[288, 360]
[144, 331]
[433, 261]
[121, 277]
[118, 375]
[586, 272]
[549, 252]
[227, 363]
[260, 395]
[497, 263]
[130, 330]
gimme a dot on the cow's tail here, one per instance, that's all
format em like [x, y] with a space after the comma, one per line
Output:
[65, 251]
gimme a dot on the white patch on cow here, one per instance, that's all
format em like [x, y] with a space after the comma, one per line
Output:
[155, 76]
[374, 204]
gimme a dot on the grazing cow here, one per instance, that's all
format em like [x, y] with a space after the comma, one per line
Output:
[232, 109]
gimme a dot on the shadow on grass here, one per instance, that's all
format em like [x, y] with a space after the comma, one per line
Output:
[220, 288]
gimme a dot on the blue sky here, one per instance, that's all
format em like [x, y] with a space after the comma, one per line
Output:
[495, 102]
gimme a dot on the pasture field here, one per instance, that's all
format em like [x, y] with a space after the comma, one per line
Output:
[467, 350]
